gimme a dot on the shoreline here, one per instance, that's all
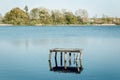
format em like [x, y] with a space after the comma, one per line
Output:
[6, 25]
[62, 25]
[75, 25]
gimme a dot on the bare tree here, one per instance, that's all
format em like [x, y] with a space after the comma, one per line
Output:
[34, 13]
[83, 14]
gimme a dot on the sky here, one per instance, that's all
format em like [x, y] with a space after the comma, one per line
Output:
[94, 7]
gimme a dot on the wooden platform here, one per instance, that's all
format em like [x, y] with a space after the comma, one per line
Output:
[66, 55]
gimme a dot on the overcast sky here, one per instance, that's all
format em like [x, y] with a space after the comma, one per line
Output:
[99, 7]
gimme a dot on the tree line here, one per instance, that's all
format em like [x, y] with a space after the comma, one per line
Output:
[44, 16]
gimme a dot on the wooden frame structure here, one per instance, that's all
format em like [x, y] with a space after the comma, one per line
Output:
[77, 55]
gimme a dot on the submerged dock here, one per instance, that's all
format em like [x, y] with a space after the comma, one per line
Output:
[67, 55]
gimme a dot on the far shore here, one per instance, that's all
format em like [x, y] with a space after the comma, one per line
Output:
[61, 25]
[76, 25]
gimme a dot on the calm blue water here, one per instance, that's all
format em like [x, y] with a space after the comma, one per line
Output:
[24, 52]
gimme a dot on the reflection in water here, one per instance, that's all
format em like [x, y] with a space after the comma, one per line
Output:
[66, 69]
[45, 41]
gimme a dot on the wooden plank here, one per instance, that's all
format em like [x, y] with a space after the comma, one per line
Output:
[65, 50]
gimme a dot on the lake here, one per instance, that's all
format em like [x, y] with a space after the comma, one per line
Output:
[24, 52]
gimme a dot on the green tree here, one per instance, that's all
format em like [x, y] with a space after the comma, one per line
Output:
[58, 17]
[40, 16]
[44, 15]
[70, 17]
[16, 16]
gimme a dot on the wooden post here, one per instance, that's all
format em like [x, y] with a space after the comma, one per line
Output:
[56, 59]
[65, 60]
[80, 59]
[74, 58]
[77, 63]
[61, 58]
[50, 65]
[50, 55]
[69, 59]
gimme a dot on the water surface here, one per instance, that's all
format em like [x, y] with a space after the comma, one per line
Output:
[24, 52]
